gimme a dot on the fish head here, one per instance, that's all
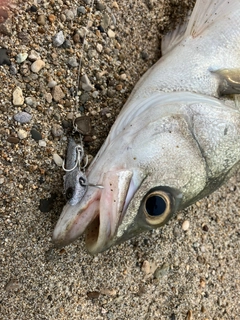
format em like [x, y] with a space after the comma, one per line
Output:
[147, 171]
[75, 186]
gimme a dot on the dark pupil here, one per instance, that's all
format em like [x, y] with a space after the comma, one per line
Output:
[69, 193]
[155, 206]
[82, 182]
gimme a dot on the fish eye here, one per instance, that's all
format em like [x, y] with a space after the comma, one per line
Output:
[82, 182]
[69, 193]
[157, 207]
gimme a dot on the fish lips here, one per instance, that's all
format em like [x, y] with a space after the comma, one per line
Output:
[98, 214]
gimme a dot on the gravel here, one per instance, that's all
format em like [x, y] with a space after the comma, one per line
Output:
[169, 273]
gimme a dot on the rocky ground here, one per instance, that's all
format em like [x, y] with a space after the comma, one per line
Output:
[189, 269]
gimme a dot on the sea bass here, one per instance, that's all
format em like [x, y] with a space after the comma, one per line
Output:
[176, 140]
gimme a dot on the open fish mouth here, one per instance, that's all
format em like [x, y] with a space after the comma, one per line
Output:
[99, 213]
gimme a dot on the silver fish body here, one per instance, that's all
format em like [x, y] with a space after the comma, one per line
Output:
[176, 139]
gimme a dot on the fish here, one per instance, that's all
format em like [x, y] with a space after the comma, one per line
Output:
[176, 139]
[75, 180]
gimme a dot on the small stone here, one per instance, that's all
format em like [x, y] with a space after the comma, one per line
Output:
[36, 135]
[34, 55]
[51, 18]
[99, 47]
[161, 271]
[6, 27]
[2, 180]
[13, 70]
[185, 225]
[48, 97]
[22, 117]
[33, 8]
[22, 134]
[29, 101]
[111, 33]
[21, 57]
[108, 292]
[57, 93]
[93, 294]
[72, 61]
[146, 267]
[41, 20]
[57, 130]
[123, 76]
[86, 84]
[52, 84]
[69, 15]
[100, 6]
[57, 159]
[83, 125]
[42, 143]
[12, 139]
[18, 99]
[4, 59]
[81, 10]
[37, 65]
[76, 38]
[58, 39]
[84, 97]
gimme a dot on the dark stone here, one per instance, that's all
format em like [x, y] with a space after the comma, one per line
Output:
[4, 58]
[36, 135]
[100, 28]
[83, 125]
[14, 140]
[33, 8]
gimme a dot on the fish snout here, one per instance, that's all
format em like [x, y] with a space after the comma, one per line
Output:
[98, 214]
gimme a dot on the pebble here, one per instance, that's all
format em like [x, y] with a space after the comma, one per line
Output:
[42, 143]
[13, 70]
[52, 18]
[57, 130]
[30, 101]
[100, 6]
[111, 33]
[22, 134]
[18, 99]
[72, 61]
[83, 125]
[37, 65]
[2, 180]
[57, 159]
[22, 117]
[69, 15]
[34, 55]
[21, 57]
[161, 271]
[12, 139]
[58, 39]
[52, 84]
[4, 58]
[48, 97]
[86, 84]
[99, 47]
[41, 20]
[185, 225]
[36, 135]
[57, 93]
[81, 10]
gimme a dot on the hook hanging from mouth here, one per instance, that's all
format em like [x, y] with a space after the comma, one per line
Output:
[79, 156]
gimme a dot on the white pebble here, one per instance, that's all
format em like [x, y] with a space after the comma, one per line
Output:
[185, 225]
[22, 134]
[21, 57]
[57, 159]
[111, 33]
[18, 99]
[42, 143]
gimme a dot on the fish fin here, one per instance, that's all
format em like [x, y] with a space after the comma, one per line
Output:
[173, 38]
[203, 15]
[207, 12]
[229, 81]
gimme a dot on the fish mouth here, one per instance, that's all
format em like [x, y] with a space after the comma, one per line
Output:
[98, 214]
